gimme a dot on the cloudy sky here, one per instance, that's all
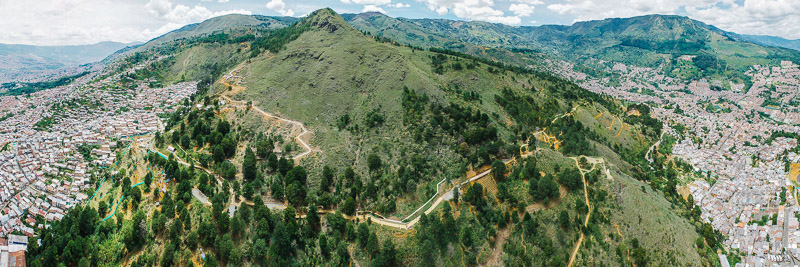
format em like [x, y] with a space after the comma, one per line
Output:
[74, 22]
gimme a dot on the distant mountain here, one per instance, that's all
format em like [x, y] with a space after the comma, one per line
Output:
[227, 23]
[29, 63]
[29, 57]
[773, 41]
[649, 41]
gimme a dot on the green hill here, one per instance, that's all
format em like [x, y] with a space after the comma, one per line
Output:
[390, 126]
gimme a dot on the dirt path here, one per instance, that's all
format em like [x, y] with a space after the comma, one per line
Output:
[570, 113]
[304, 134]
[437, 198]
[588, 204]
[647, 156]
[502, 235]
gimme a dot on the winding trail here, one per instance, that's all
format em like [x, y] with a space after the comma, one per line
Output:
[660, 138]
[594, 162]
[570, 113]
[406, 223]
[232, 79]
[228, 78]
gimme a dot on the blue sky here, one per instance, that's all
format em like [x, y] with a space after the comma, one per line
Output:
[72, 22]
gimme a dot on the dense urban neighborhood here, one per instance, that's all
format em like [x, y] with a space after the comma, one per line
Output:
[54, 143]
[745, 170]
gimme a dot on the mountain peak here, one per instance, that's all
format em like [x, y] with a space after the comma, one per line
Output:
[326, 19]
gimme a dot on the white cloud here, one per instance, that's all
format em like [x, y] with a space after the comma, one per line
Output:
[760, 17]
[511, 20]
[471, 9]
[522, 10]
[763, 17]
[600, 9]
[276, 5]
[529, 2]
[76, 22]
[166, 10]
[401, 5]
[280, 7]
[368, 2]
[373, 8]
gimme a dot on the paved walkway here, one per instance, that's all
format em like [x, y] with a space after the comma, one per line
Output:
[200, 196]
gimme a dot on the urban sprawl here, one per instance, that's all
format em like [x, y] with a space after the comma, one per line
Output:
[42, 169]
[744, 173]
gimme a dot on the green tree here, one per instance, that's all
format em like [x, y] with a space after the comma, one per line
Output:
[192, 240]
[571, 179]
[546, 188]
[102, 208]
[323, 245]
[228, 147]
[136, 232]
[264, 148]
[223, 127]
[474, 194]
[259, 250]
[563, 219]
[148, 179]
[237, 227]
[363, 234]
[272, 161]
[296, 193]
[312, 218]
[219, 153]
[373, 246]
[281, 247]
[249, 165]
[499, 170]
[327, 178]
[374, 162]
[389, 253]
[349, 206]
[277, 188]
[186, 142]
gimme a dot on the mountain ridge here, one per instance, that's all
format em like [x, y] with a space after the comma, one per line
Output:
[773, 41]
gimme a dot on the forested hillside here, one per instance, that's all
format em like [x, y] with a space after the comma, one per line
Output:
[319, 144]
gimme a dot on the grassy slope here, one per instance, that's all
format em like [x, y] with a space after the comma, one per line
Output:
[195, 63]
[305, 82]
